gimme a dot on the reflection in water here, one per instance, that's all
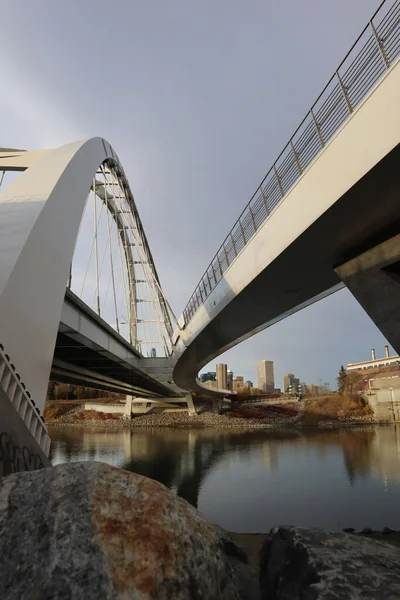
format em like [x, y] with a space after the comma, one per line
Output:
[251, 481]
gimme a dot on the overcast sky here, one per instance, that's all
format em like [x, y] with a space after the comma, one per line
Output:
[198, 99]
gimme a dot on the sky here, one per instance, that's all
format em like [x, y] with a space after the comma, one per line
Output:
[198, 99]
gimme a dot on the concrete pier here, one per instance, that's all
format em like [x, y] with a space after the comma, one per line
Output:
[373, 278]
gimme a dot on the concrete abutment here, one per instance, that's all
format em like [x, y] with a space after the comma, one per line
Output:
[373, 278]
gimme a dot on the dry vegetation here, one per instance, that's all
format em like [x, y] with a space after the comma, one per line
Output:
[264, 411]
[90, 415]
[315, 409]
[57, 408]
[53, 410]
[312, 410]
[334, 408]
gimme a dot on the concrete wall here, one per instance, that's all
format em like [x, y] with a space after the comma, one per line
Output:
[384, 399]
[373, 279]
[108, 408]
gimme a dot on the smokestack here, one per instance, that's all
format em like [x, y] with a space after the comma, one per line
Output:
[387, 351]
[373, 353]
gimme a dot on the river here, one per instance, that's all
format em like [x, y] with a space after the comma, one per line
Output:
[249, 482]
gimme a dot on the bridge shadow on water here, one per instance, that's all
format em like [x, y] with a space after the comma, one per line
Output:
[182, 459]
[300, 474]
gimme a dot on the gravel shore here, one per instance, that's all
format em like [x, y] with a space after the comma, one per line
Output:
[273, 418]
[178, 419]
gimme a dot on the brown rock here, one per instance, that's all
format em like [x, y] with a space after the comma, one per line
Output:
[91, 531]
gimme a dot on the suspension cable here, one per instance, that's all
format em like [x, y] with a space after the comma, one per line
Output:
[119, 247]
[111, 256]
[96, 251]
[91, 249]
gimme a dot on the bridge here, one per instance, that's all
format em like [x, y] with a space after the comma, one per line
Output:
[80, 297]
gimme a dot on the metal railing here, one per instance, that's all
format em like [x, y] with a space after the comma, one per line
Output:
[368, 59]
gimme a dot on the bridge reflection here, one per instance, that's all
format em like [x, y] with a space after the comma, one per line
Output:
[182, 459]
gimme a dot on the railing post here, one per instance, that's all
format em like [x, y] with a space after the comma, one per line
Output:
[219, 264]
[380, 45]
[317, 127]
[234, 245]
[253, 219]
[296, 157]
[226, 254]
[213, 270]
[242, 230]
[209, 280]
[342, 87]
[265, 200]
[279, 181]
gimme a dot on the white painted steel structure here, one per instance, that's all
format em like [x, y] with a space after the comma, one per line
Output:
[40, 216]
[314, 210]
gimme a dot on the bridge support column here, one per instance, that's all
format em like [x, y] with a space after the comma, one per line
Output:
[128, 407]
[217, 405]
[373, 278]
[190, 404]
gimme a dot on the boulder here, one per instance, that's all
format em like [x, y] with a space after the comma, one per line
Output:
[232, 550]
[245, 577]
[90, 531]
[311, 564]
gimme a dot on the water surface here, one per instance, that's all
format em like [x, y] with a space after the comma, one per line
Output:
[252, 481]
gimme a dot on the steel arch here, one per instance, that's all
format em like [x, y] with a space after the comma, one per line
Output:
[40, 215]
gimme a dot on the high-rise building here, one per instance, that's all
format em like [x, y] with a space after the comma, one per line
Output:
[229, 380]
[222, 376]
[153, 353]
[248, 384]
[265, 375]
[238, 383]
[210, 376]
[286, 381]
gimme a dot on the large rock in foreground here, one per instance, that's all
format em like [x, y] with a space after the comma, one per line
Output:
[91, 531]
[311, 564]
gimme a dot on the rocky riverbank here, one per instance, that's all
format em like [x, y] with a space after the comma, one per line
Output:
[247, 417]
[273, 418]
[88, 531]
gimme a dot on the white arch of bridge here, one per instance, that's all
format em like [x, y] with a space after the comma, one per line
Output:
[40, 216]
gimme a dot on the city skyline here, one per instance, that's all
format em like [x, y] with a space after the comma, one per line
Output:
[379, 355]
[242, 366]
[225, 378]
[183, 51]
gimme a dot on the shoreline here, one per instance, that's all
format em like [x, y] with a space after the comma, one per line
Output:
[321, 413]
[97, 424]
